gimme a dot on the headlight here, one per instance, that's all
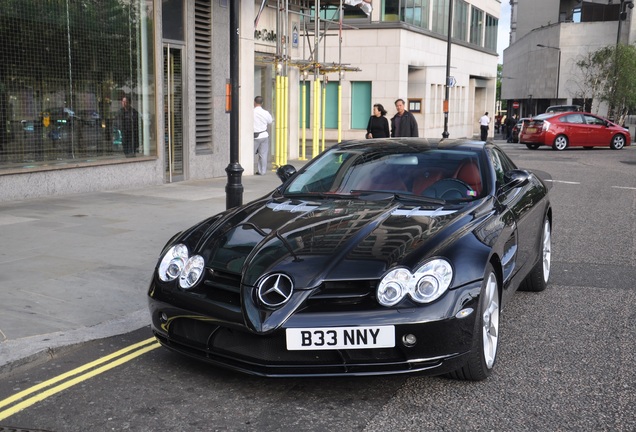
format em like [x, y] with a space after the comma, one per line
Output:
[431, 281]
[428, 283]
[177, 263]
[191, 272]
[173, 263]
[393, 287]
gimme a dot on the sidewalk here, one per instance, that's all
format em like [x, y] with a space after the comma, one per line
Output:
[77, 267]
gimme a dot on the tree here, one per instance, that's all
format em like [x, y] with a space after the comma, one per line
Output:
[609, 75]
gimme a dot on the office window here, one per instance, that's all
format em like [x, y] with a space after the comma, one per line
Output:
[491, 32]
[360, 104]
[477, 27]
[331, 104]
[440, 17]
[416, 12]
[460, 20]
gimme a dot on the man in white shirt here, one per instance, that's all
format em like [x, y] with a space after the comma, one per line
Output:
[262, 119]
[484, 121]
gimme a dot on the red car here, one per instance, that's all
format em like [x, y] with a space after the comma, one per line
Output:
[573, 129]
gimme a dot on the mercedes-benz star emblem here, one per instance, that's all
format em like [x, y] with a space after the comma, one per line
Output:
[275, 290]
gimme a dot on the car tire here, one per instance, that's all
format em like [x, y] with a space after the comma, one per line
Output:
[483, 355]
[560, 143]
[537, 279]
[618, 142]
[533, 146]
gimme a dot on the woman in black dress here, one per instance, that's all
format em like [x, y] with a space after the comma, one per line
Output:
[378, 126]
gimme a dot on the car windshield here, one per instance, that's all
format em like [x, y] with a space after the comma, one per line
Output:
[448, 175]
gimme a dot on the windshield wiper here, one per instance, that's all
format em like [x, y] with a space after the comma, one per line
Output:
[400, 196]
[419, 198]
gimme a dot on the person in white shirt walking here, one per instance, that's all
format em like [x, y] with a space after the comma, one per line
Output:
[262, 119]
[484, 121]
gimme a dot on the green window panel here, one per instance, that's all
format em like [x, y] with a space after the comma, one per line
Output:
[360, 104]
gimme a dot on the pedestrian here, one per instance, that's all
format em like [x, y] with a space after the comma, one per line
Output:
[510, 124]
[262, 119]
[403, 124]
[378, 126]
[484, 122]
[129, 127]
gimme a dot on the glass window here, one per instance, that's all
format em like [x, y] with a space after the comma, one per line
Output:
[572, 118]
[476, 27]
[440, 16]
[491, 32]
[415, 12]
[460, 20]
[172, 19]
[331, 111]
[360, 104]
[65, 67]
[390, 10]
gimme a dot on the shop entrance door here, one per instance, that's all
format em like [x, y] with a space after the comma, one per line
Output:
[173, 112]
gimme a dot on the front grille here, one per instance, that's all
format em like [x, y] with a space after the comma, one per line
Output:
[336, 296]
[223, 288]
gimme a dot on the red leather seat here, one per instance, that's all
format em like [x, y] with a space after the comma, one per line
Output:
[425, 180]
[468, 172]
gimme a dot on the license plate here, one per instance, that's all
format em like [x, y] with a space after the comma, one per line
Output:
[329, 338]
[531, 130]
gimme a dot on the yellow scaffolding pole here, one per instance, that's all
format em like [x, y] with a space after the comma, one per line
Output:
[323, 111]
[279, 122]
[303, 120]
[339, 110]
[285, 146]
[316, 126]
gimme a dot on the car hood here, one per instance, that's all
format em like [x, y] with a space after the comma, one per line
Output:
[313, 241]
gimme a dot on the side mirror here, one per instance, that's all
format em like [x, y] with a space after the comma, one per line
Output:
[285, 172]
[516, 178]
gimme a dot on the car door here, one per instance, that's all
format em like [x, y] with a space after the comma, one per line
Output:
[521, 201]
[598, 132]
[574, 128]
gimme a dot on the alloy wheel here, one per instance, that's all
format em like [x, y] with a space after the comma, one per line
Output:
[618, 142]
[547, 250]
[560, 143]
[490, 320]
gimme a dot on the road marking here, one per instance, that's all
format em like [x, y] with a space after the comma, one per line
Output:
[562, 181]
[624, 187]
[113, 360]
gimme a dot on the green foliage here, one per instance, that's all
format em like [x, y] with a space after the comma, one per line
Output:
[609, 75]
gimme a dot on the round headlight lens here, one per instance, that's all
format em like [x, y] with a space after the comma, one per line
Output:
[431, 281]
[393, 287]
[173, 263]
[192, 272]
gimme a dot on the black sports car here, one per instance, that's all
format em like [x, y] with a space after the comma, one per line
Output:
[379, 256]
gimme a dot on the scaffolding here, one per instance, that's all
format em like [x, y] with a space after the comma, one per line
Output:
[315, 29]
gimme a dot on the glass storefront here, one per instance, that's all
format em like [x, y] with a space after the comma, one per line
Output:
[65, 66]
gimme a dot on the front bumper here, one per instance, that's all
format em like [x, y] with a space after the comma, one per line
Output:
[443, 339]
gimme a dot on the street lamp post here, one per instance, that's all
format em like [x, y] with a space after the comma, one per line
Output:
[558, 74]
[445, 134]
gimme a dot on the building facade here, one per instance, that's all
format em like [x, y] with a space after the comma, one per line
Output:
[547, 40]
[66, 66]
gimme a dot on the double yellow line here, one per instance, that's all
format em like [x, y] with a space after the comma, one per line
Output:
[23, 399]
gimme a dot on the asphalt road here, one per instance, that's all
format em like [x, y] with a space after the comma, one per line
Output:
[565, 363]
